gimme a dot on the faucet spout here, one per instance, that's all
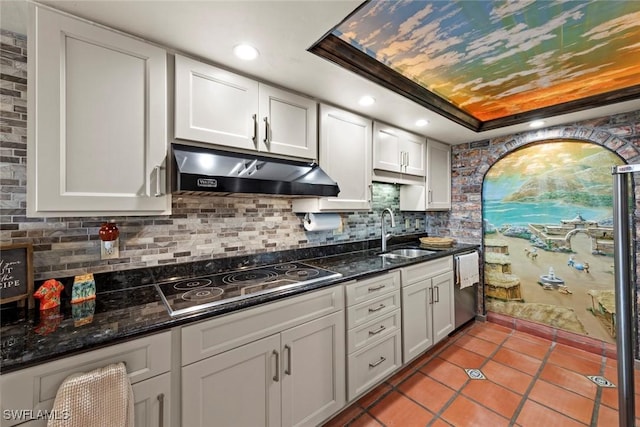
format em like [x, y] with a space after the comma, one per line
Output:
[384, 235]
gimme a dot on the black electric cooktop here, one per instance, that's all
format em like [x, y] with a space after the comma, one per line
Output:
[186, 296]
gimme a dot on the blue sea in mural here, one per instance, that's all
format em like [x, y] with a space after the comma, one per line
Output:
[498, 213]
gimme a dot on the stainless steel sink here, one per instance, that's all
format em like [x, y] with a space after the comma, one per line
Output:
[406, 253]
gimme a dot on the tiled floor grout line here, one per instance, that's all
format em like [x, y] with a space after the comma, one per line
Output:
[425, 359]
[458, 393]
[597, 400]
[536, 376]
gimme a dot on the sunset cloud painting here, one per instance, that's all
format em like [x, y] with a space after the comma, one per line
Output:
[494, 59]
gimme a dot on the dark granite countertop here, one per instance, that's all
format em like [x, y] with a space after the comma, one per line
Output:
[128, 306]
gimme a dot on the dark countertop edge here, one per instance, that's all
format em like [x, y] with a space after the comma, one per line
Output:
[248, 303]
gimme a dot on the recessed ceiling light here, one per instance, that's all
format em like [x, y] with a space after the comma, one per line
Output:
[422, 122]
[367, 100]
[246, 52]
[536, 124]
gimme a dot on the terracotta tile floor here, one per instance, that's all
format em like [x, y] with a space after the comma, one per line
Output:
[529, 381]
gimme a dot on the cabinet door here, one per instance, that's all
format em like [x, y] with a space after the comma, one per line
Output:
[438, 176]
[153, 401]
[417, 328]
[237, 388]
[387, 154]
[345, 154]
[97, 120]
[216, 106]
[288, 123]
[313, 381]
[414, 147]
[443, 306]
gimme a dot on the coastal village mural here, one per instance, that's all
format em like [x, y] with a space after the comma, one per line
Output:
[548, 236]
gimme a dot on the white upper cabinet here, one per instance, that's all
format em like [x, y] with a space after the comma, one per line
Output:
[345, 155]
[97, 138]
[289, 123]
[434, 194]
[438, 176]
[395, 150]
[216, 106]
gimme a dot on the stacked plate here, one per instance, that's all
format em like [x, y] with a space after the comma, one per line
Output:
[436, 242]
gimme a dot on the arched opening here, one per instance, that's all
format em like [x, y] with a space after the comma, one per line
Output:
[547, 212]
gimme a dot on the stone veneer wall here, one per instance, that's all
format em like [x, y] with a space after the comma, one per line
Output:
[470, 162]
[199, 227]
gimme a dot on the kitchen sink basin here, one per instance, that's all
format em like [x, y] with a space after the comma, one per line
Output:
[406, 253]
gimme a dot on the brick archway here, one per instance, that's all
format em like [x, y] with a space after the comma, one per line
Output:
[471, 161]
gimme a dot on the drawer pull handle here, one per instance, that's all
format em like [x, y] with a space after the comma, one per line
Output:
[376, 288]
[158, 192]
[374, 364]
[267, 137]
[161, 410]
[437, 294]
[380, 307]
[377, 331]
[288, 370]
[276, 377]
[255, 131]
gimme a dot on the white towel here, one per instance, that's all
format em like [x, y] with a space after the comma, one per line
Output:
[100, 398]
[468, 272]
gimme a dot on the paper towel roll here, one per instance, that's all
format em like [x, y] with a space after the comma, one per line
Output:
[319, 222]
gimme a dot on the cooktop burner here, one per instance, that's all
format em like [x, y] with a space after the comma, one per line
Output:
[194, 294]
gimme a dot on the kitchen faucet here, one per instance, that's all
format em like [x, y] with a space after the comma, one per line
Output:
[383, 234]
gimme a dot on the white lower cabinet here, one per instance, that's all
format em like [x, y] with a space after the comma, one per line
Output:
[373, 335]
[428, 313]
[239, 387]
[152, 398]
[294, 377]
[148, 362]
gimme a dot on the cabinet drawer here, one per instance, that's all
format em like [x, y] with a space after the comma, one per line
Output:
[372, 331]
[364, 290]
[36, 387]
[372, 309]
[373, 363]
[226, 332]
[415, 273]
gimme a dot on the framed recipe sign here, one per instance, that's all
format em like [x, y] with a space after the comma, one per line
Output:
[16, 273]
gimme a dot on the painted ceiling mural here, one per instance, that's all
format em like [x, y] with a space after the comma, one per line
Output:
[494, 59]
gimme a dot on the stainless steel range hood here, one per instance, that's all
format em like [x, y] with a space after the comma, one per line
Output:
[198, 169]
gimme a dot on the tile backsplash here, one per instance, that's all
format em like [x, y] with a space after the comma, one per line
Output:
[198, 228]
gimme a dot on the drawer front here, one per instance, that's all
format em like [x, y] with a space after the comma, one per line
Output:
[373, 331]
[364, 290]
[223, 333]
[364, 312]
[373, 363]
[36, 387]
[418, 272]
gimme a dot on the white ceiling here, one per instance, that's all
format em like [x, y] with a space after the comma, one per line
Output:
[282, 31]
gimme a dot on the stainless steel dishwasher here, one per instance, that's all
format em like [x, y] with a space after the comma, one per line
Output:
[465, 300]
